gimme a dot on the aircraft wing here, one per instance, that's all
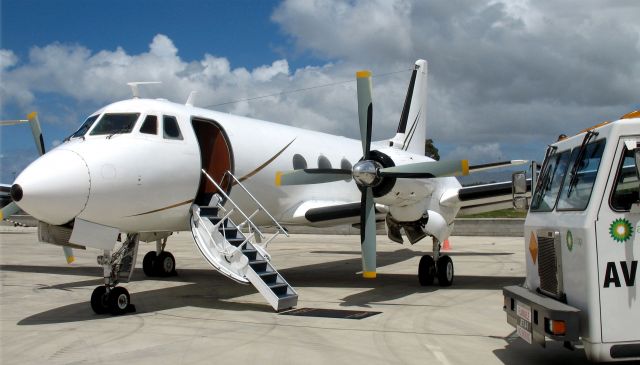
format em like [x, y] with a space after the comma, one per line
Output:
[487, 197]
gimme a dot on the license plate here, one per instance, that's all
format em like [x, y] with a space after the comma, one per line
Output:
[523, 327]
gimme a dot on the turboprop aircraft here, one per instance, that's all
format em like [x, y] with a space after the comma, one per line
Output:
[140, 169]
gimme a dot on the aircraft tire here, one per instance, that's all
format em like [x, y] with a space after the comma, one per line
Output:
[445, 271]
[165, 264]
[426, 270]
[100, 300]
[148, 264]
[119, 301]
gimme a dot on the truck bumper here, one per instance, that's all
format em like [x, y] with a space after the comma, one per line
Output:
[537, 317]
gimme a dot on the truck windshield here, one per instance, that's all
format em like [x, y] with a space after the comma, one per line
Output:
[576, 190]
[625, 193]
[115, 123]
[546, 194]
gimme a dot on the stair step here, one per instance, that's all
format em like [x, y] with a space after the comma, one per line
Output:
[236, 241]
[278, 288]
[208, 212]
[286, 296]
[251, 254]
[268, 276]
[229, 232]
[258, 265]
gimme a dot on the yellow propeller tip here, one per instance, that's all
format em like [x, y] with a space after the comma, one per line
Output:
[369, 274]
[363, 73]
[70, 259]
[278, 178]
[32, 115]
[465, 167]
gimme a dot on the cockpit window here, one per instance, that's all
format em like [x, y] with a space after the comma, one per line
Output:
[150, 125]
[171, 128]
[85, 126]
[115, 123]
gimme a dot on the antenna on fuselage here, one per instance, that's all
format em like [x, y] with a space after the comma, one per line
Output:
[134, 87]
[191, 98]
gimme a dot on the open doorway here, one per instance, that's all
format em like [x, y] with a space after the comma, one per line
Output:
[216, 158]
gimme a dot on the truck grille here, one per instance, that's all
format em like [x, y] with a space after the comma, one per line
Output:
[549, 264]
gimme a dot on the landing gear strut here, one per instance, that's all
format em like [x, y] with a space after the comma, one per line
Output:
[110, 298]
[159, 263]
[436, 266]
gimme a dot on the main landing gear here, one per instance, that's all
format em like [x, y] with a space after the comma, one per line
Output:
[436, 266]
[159, 263]
[110, 298]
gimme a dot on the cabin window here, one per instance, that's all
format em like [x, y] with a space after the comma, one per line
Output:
[299, 163]
[171, 128]
[625, 193]
[115, 123]
[85, 126]
[550, 180]
[323, 162]
[576, 190]
[150, 125]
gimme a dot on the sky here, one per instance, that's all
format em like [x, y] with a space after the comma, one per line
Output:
[505, 77]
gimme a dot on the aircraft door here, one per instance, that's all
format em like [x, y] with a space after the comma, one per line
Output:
[216, 158]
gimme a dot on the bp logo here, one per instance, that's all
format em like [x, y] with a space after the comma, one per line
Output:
[569, 240]
[620, 230]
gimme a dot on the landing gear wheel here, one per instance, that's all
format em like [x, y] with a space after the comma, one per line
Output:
[119, 301]
[426, 270]
[148, 263]
[100, 300]
[445, 271]
[165, 264]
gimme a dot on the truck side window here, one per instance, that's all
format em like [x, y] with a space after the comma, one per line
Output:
[551, 178]
[171, 128]
[577, 197]
[625, 192]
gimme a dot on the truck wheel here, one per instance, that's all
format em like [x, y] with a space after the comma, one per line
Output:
[165, 264]
[119, 301]
[100, 300]
[445, 271]
[426, 270]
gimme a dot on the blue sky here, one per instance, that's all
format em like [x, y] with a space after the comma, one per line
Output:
[506, 77]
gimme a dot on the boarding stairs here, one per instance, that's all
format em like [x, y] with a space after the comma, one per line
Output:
[236, 250]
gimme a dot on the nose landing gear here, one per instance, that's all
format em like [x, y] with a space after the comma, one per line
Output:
[436, 266]
[110, 298]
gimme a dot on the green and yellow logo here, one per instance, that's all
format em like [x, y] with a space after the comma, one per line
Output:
[620, 230]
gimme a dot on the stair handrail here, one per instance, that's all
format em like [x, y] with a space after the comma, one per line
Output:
[221, 191]
[280, 228]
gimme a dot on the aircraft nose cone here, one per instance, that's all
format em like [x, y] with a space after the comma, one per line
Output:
[54, 188]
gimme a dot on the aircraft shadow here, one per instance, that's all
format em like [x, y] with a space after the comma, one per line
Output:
[208, 289]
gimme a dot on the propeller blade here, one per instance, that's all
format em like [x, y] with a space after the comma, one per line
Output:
[365, 110]
[68, 254]
[9, 210]
[496, 165]
[37, 132]
[311, 176]
[429, 169]
[368, 234]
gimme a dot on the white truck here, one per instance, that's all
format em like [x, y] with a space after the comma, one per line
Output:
[582, 244]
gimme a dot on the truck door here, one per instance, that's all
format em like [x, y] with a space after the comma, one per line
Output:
[618, 247]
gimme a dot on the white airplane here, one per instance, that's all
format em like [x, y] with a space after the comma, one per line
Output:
[146, 168]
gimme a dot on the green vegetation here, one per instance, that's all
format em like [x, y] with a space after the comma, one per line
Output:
[503, 213]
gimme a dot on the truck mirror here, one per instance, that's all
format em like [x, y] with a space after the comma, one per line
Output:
[519, 182]
[521, 203]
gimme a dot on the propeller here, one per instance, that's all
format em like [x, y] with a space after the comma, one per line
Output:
[369, 173]
[12, 208]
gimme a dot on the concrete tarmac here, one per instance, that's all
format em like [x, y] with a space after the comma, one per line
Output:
[201, 317]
